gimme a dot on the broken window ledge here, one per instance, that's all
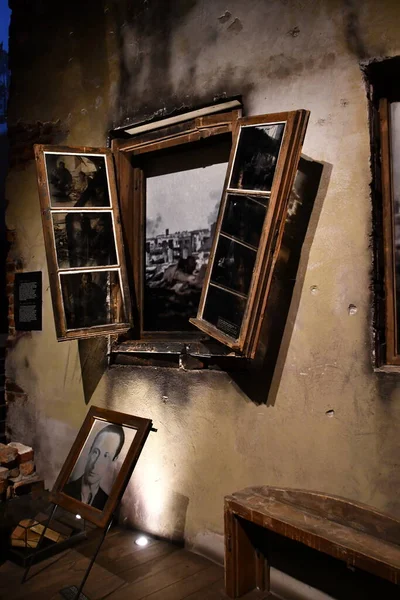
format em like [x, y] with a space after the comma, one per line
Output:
[176, 353]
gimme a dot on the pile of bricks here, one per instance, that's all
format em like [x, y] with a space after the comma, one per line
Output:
[17, 471]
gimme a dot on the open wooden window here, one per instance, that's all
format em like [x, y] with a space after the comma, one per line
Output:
[260, 175]
[230, 264]
[83, 240]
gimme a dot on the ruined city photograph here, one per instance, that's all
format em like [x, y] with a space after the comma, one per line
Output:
[180, 224]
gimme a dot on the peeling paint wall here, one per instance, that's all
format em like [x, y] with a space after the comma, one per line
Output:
[332, 423]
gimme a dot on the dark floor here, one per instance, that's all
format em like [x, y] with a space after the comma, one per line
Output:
[123, 571]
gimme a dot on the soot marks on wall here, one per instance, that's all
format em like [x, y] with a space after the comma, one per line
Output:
[145, 32]
[147, 36]
[69, 38]
[94, 362]
[354, 35]
[352, 30]
[174, 385]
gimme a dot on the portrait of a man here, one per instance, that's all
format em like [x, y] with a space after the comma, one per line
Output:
[103, 452]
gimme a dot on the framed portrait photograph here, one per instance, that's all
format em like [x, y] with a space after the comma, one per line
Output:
[83, 237]
[101, 461]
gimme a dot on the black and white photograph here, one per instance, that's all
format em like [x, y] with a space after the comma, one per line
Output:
[224, 310]
[91, 298]
[77, 180]
[180, 225]
[233, 265]
[84, 239]
[92, 478]
[244, 218]
[256, 157]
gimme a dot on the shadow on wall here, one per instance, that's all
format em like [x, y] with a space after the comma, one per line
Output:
[94, 362]
[304, 210]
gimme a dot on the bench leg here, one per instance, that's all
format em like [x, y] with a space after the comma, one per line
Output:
[262, 572]
[245, 567]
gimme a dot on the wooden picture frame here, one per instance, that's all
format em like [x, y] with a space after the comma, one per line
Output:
[272, 191]
[94, 453]
[83, 240]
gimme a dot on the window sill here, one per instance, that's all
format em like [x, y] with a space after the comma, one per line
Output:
[187, 355]
[387, 369]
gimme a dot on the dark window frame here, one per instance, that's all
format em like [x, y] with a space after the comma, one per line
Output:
[383, 88]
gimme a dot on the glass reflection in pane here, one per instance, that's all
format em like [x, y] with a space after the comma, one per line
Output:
[256, 157]
[244, 218]
[224, 310]
[91, 298]
[84, 239]
[233, 265]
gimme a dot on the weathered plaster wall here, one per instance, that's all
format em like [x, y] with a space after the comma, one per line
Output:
[100, 63]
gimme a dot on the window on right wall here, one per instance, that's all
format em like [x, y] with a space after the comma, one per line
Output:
[389, 118]
[384, 105]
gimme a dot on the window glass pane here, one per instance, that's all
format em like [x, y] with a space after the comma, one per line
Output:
[224, 310]
[395, 155]
[256, 157]
[84, 239]
[91, 298]
[233, 265]
[244, 217]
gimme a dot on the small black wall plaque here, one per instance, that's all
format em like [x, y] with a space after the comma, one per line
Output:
[28, 301]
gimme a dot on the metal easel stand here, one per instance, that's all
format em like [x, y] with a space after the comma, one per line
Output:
[72, 592]
[34, 554]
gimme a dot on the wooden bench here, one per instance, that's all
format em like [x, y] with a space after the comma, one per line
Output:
[354, 533]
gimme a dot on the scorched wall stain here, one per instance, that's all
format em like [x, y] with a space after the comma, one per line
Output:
[148, 57]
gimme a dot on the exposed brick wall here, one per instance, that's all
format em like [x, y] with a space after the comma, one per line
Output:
[11, 268]
[3, 409]
[9, 390]
[13, 391]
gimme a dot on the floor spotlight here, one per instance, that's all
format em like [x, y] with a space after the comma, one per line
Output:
[141, 541]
